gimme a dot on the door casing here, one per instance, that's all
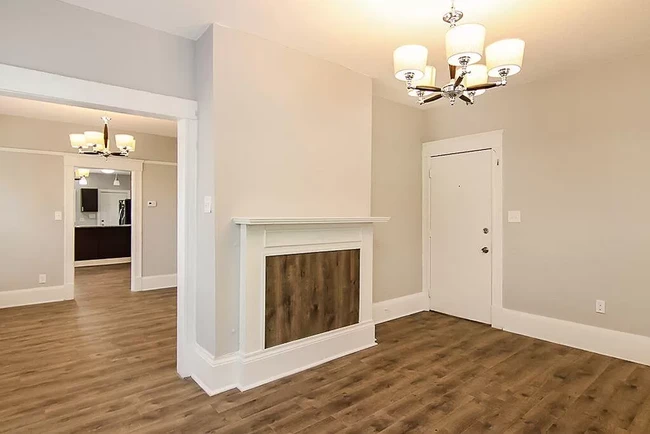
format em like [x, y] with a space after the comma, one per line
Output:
[492, 140]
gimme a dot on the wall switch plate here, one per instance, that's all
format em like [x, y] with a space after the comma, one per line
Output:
[514, 216]
[42, 278]
[207, 204]
[58, 215]
[152, 203]
[600, 306]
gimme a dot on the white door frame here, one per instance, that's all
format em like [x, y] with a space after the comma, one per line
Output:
[70, 161]
[491, 140]
[31, 84]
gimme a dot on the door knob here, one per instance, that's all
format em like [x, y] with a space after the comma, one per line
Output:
[485, 250]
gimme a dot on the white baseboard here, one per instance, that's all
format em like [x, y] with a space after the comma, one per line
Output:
[97, 262]
[45, 294]
[626, 346]
[399, 307]
[149, 283]
[247, 371]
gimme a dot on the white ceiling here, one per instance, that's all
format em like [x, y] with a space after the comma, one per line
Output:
[78, 115]
[362, 34]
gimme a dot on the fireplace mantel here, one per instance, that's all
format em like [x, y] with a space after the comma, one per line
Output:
[307, 220]
[274, 316]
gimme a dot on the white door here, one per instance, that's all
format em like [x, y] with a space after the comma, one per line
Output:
[461, 234]
[109, 207]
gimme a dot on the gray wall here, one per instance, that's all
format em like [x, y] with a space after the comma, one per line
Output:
[56, 37]
[576, 164]
[205, 262]
[31, 241]
[100, 181]
[396, 192]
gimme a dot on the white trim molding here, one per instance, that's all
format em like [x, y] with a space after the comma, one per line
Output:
[162, 281]
[100, 262]
[254, 364]
[251, 221]
[626, 346]
[82, 93]
[94, 162]
[476, 142]
[43, 294]
[394, 308]
[247, 371]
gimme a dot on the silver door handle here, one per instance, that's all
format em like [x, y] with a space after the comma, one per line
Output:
[485, 250]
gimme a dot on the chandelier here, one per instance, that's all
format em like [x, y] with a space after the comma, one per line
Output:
[96, 143]
[464, 48]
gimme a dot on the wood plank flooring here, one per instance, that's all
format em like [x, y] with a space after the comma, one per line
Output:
[106, 362]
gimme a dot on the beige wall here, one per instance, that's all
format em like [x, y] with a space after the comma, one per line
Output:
[33, 183]
[396, 192]
[31, 241]
[576, 164]
[159, 222]
[293, 139]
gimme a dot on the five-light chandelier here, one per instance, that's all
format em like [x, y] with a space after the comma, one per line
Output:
[464, 46]
[97, 143]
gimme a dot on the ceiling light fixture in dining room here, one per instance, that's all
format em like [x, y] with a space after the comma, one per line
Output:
[464, 49]
[97, 143]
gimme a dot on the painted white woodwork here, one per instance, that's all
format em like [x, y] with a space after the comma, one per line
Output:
[460, 211]
[254, 365]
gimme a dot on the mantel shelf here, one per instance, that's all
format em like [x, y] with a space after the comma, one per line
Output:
[307, 220]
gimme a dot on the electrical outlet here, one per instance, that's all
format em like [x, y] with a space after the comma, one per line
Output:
[42, 278]
[600, 306]
[58, 215]
[514, 216]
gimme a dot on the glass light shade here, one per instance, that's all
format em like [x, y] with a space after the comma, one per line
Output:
[507, 53]
[465, 40]
[125, 141]
[116, 182]
[83, 181]
[83, 173]
[108, 171]
[429, 79]
[410, 58]
[78, 141]
[94, 138]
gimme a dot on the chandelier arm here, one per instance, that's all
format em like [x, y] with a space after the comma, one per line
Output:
[452, 72]
[459, 79]
[483, 86]
[432, 98]
[428, 88]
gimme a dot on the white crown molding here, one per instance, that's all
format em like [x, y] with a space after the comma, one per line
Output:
[250, 221]
[63, 154]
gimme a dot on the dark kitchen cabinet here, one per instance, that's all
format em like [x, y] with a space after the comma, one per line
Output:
[102, 242]
[89, 200]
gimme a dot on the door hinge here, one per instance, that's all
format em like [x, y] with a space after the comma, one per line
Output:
[429, 173]
[498, 161]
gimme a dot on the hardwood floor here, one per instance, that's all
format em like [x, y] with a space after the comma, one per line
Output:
[106, 362]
